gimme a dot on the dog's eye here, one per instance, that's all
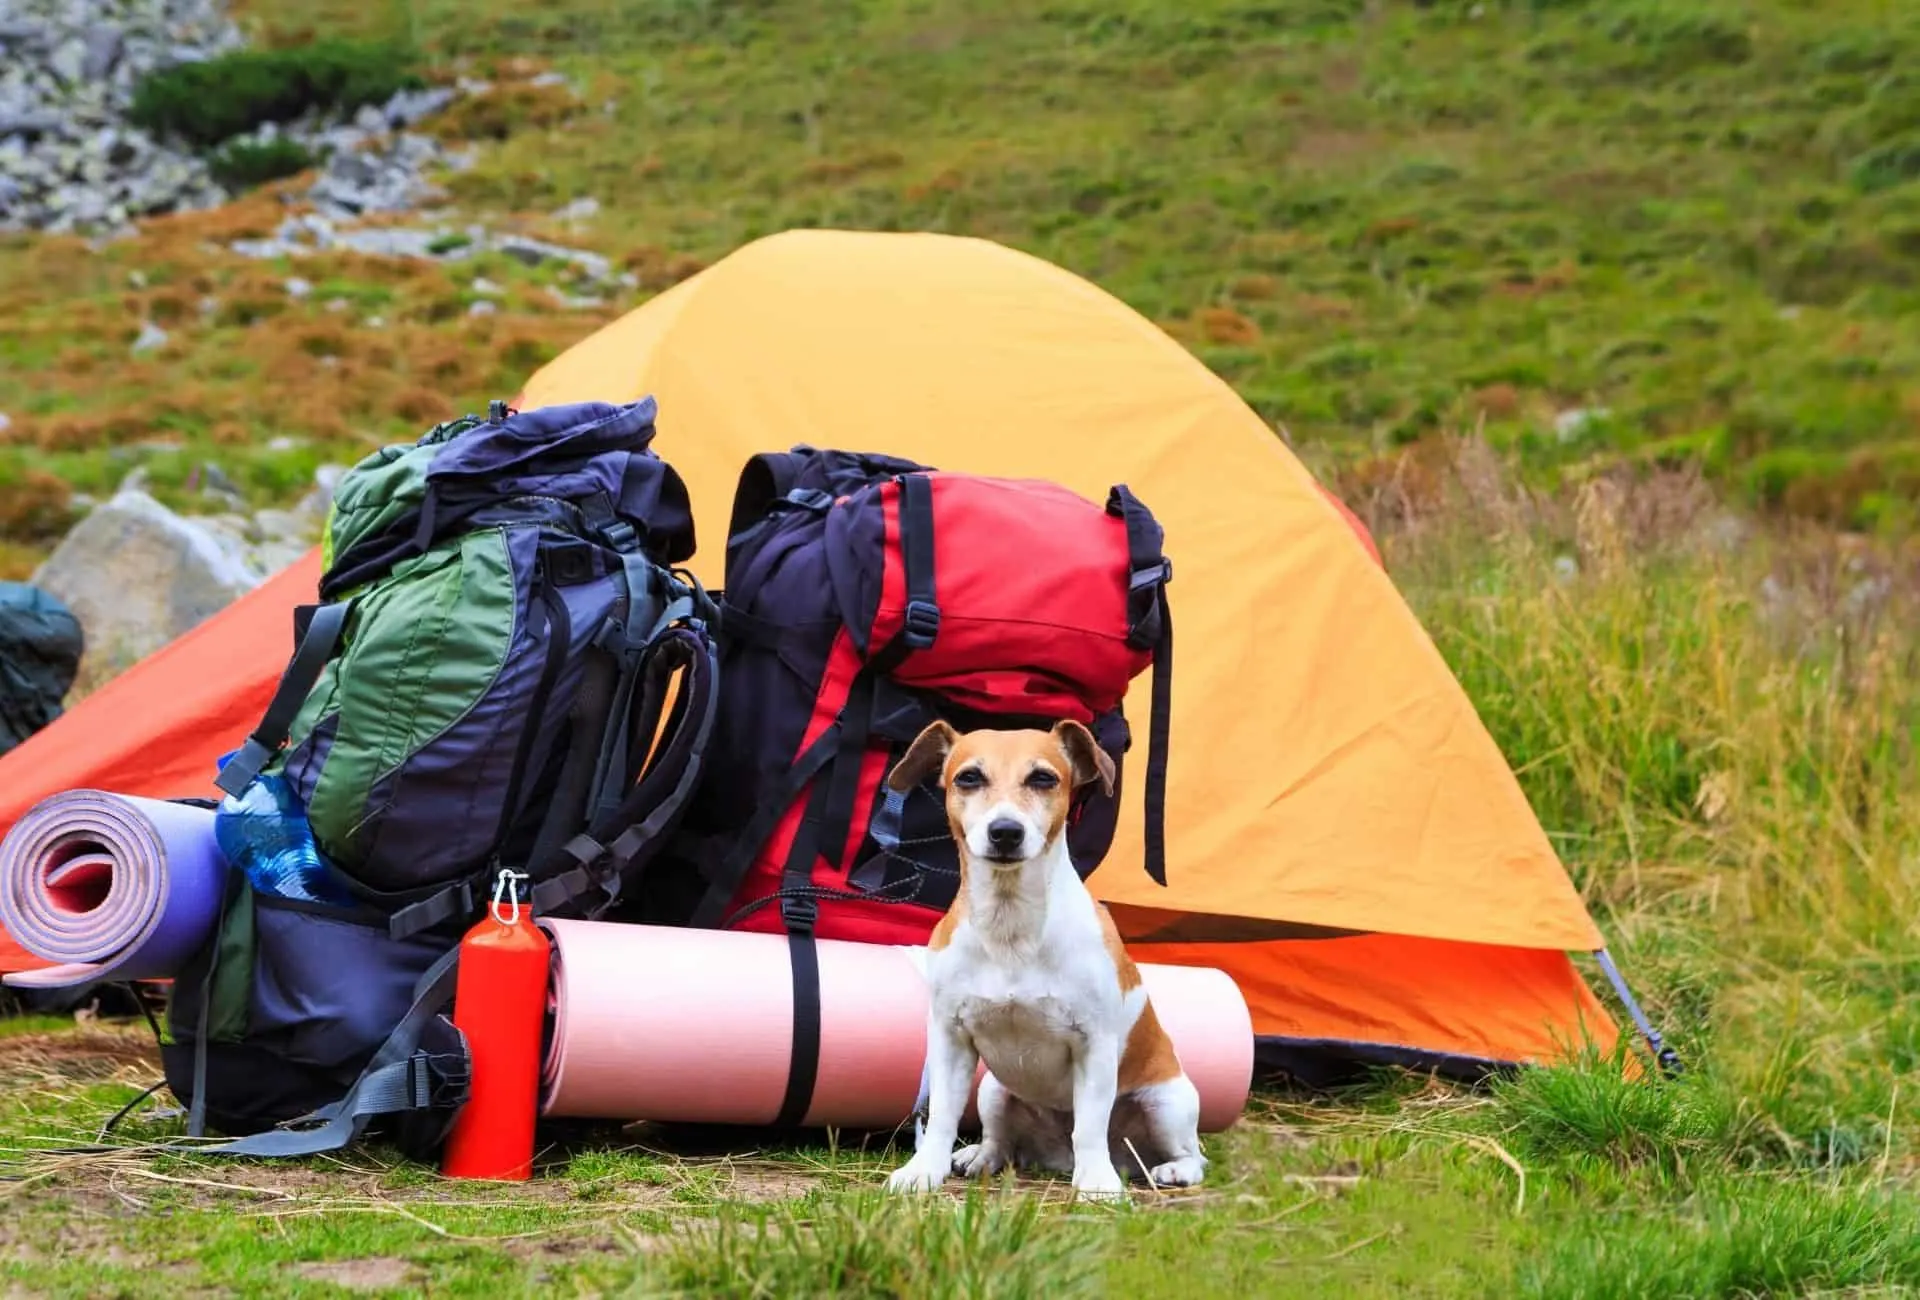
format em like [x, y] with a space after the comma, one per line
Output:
[1042, 779]
[969, 778]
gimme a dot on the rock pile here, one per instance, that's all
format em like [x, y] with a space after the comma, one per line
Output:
[68, 158]
[311, 232]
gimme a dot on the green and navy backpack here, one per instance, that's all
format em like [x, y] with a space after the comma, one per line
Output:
[506, 671]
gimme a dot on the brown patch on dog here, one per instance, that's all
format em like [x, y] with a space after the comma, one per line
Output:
[1148, 1057]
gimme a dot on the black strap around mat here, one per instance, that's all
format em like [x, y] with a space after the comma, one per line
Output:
[804, 1067]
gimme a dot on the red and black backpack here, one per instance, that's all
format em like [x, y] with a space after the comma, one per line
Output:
[866, 596]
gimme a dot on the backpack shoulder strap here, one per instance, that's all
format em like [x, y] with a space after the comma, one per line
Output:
[619, 843]
[318, 629]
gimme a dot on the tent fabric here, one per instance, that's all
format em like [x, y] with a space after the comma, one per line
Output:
[1344, 837]
[1326, 767]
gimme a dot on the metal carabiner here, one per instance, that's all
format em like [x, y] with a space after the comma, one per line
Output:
[502, 885]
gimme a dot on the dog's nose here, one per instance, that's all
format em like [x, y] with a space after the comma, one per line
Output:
[1006, 834]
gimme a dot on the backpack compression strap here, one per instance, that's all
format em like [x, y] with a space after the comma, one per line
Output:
[317, 640]
[1150, 625]
[399, 1077]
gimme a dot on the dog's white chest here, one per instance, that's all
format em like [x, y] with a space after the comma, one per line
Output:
[1030, 1020]
[1028, 1038]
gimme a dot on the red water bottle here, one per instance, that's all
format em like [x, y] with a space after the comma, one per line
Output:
[500, 1004]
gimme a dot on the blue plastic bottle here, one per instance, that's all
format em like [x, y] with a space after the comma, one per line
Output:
[263, 832]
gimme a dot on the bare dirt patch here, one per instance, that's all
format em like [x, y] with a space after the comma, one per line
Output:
[81, 1053]
[371, 1274]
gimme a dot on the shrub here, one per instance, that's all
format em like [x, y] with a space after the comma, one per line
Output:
[244, 164]
[206, 103]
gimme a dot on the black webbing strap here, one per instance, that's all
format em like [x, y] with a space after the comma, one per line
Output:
[629, 852]
[1150, 625]
[317, 641]
[398, 1077]
[1160, 727]
[920, 623]
[573, 791]
[804, 1064]
[724, 878]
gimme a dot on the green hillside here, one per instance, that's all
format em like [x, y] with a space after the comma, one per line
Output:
[1600, 232]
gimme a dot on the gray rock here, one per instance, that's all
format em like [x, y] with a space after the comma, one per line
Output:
[392, 241]
[483, 307]
[214, 482]
[410, 106]
[298, 288]
[29, 123]
[151, 337]
[69, 60]
[485, 287]
[6, 422]
[103, 45]
[137, 575]
[21, 36]
[293, 527]
[534, 252]
[581, 209]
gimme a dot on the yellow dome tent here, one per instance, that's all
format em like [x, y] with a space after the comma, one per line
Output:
[1344, 837]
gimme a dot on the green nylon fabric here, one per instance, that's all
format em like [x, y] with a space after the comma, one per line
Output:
[384, 486]
[230, 996]
[446, 621]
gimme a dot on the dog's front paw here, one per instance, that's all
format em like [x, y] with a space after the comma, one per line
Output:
[919, 1175]
[1099, 1183]
[982, 1159]
[1185, 1172]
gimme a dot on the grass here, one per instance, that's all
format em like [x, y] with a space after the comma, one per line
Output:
[1600, 313]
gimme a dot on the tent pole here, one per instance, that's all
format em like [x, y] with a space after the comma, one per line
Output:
[1668, 1058]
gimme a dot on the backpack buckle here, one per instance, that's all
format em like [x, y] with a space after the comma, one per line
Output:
[799, 912]
[1157, 575]
[438, 1081]
[620, 535]
[807, 499]
[922, 623]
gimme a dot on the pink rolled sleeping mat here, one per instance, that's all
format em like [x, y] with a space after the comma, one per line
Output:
[696, 1026]
[109, 887]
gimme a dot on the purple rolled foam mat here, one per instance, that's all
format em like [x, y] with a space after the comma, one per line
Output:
[113, 887]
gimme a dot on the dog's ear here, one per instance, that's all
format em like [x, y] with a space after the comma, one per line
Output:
[924, 757]
[1090, 762]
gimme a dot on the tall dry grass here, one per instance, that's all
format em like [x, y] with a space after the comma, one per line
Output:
[1718, 721]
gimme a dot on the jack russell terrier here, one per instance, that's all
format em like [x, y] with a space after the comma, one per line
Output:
[1027, 973]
